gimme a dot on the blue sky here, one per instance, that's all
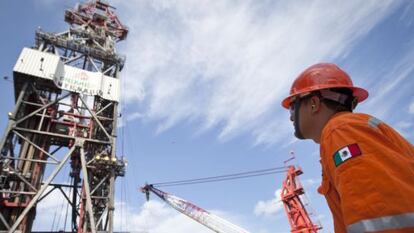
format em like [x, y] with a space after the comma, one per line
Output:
[201, 92]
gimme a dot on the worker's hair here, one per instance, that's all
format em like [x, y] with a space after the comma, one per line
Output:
[348, 106]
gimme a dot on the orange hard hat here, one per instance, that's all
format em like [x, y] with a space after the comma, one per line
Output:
[323, 76]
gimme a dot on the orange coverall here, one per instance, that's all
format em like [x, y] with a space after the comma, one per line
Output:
[372, 189]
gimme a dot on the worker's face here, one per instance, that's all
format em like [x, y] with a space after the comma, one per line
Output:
[306, 122]
[303, 122]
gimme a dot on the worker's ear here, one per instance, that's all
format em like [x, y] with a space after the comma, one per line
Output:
[315, 103]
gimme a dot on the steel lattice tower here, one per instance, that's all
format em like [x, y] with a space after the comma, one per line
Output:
[66, 93]
[298, 216]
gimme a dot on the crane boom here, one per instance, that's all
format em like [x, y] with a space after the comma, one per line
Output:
[198, 214]
[299, 219]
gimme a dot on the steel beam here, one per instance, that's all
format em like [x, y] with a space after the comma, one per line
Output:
[13, 115]
[46, 194]
[32, 104]
[22, 178]
[102, 109]
[17, 192]
[36, 146]
[111, 207]
[37, 93]
[100, 183]
[30, 160]
[3, 220]
[96, 119]
[101, 218]
[40, 192]
[40, 109]
[87, 192]
[60, 135]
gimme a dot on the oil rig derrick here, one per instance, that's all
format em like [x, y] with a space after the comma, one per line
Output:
[65, 115]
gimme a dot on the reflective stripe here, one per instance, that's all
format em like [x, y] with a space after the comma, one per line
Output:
[383, 223]
[374, 122]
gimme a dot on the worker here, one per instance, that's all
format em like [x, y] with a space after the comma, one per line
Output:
[367, 166]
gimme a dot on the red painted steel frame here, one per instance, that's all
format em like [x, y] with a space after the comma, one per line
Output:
[298, 217]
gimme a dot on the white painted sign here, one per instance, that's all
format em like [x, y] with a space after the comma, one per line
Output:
[39, 64]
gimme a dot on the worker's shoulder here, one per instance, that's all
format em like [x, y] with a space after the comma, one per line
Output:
[349, 119]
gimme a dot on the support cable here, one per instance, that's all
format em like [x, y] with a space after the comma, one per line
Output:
[124, 124]
[65, 169]
[122, 203]
[54, 218]
[67, 205]
[126, 207]
[234, 176]
[313, 211]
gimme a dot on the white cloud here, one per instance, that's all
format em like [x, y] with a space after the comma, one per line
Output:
[403, 125]
[152, 216]
[391, 87]
[269, 207]
[228, 65]
[156, 217]
[52, 212]
[311, 182]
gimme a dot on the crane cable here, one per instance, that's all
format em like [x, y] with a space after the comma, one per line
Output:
[234, 176]
[67, 205]
[124, 182]
[123, 122]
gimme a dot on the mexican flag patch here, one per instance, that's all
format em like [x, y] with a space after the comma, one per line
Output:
[346, 153]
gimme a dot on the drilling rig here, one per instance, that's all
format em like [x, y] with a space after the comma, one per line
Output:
[66, 107]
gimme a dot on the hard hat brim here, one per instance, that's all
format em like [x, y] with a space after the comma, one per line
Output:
[360, 93]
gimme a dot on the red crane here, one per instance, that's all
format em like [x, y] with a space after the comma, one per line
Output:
[299, 219]
[209, 220]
